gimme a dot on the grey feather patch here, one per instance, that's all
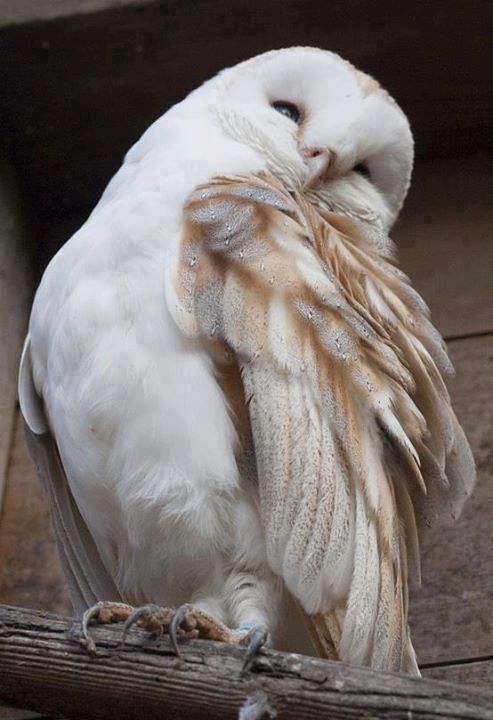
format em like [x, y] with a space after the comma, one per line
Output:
[88, 579]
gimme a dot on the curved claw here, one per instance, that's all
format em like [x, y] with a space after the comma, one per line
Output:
[258, 637]
[176, 621]
[94, 612]
[89, 614]
[136, 615]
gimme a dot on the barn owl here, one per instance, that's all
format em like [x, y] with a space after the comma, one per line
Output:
[234, 395]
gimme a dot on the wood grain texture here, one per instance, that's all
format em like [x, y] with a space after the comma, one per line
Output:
[44, 664]
[7, 712]
[18, 12]
[444, 237]
[471, 673]
[451, 615]
[79, 89]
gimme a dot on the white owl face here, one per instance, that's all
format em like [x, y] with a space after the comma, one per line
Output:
[324, 127]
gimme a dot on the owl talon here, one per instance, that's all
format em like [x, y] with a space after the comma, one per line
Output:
[176, 621]
[193, 622]
[153, 618]
[104, 612]
[257, 638]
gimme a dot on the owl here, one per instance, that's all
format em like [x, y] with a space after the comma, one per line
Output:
[232, 392]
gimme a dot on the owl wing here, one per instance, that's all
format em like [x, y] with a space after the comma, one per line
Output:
[354, 436]
[87, 578]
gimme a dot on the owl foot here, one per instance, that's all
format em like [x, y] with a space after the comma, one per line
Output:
[153, 618]
[187, 621]
[193, 622]
[103, 613]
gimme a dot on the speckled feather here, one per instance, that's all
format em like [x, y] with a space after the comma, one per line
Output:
[347, 406]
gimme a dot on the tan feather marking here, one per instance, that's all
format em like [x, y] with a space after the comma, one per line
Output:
[320, 632]
[348, 414]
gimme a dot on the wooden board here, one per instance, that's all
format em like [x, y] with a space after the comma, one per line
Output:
[14, 713]
[445, 242]
[470, 673]
[19, 12]
[44, 664]
[451, 615]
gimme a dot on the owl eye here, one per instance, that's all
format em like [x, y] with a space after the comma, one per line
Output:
[362, 169]
[287, 109]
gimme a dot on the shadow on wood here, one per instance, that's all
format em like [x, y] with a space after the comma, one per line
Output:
[44, 667]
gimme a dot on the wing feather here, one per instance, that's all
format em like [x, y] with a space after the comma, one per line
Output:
[355, 439]
[87, 577]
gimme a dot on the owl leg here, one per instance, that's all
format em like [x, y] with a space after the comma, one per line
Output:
[253, 600]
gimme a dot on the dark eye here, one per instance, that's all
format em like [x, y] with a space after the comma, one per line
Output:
[287, 109]
[362, 169]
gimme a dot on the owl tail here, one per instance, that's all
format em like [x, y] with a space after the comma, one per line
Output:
[325, 633]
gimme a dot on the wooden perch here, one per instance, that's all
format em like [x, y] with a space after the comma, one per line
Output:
[44, 667]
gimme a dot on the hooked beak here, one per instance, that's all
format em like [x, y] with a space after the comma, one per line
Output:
[319, 162]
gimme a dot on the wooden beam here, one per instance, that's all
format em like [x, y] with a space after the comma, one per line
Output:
[7, 712]
[19, 12]
[477, 672]
[44, 667]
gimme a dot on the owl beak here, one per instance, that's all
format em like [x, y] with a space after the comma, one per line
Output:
[319, 163]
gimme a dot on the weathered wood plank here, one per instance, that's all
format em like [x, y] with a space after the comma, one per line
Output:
[470, 673]
[44, 664]
[7, 712]
[15, 292]
[19, 12]
[451, 615]
[445, 242]
[58, 77]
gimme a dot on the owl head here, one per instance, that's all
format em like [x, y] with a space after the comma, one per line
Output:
[322, 126]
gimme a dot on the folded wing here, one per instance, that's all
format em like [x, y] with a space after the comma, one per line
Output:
[355, 440]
